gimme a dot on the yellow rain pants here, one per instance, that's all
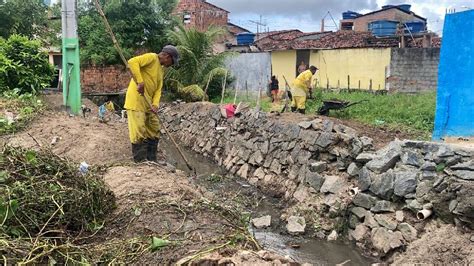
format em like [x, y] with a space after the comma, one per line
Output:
[142, 126]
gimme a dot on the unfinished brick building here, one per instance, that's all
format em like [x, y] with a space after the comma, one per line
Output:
[201, 14]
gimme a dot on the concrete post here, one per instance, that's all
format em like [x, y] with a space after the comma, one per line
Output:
[71, 62]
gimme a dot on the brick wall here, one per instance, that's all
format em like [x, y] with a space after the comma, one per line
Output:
[361, 23]
[202, 14]
[413, 69]
[104, 79]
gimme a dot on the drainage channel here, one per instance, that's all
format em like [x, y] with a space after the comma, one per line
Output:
[303, 249]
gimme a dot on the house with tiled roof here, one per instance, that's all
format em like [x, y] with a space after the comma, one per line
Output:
[354, 60]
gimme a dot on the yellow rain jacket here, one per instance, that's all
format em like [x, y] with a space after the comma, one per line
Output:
[302, 83]
[147, 69]
[142, 123]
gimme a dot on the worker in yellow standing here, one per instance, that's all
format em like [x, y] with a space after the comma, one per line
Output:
[145, 89]
[302, 87]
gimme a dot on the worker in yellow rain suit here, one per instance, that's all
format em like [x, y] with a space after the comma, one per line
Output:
[144, 88]
[301, 87]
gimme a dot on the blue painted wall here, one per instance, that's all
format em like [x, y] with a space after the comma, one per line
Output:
[455, 100]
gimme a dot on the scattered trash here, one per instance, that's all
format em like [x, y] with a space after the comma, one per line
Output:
[102, 112]
[243, 184]
[158, 243]
[137, 211]
[379, 122]
[54, 140]
[10, 117]
[84, 168]
[221, 128]
[122, 117]
[138, 174]
[85, 110]
[228, 110]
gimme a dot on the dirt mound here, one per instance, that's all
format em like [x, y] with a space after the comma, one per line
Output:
[148, 180]
[440, 244]
[75, 137]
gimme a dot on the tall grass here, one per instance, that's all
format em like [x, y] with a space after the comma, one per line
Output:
[411, 113]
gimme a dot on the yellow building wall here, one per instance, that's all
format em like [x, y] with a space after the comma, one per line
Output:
[361, 64]
[284, 64]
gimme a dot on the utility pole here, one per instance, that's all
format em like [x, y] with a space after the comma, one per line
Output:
[259, 24]
[71, 62]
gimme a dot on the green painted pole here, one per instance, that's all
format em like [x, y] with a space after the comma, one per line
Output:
[71, 62]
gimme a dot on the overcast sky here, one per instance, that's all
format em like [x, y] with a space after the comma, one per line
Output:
[306, 15]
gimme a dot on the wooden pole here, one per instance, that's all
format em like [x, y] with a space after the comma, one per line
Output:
[370, 84]
[207, 86]
[348, 82]
[247, 89]
[338, 84]
[109, 30]
[223, 87]
[236, 90]
[359, 84]
[257, 107]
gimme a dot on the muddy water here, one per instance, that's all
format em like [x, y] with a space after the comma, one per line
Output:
[309, 250]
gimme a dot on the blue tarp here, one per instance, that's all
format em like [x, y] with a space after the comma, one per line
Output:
[455, 100]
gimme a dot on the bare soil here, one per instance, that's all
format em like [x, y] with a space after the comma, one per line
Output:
[162, 202]
[440, 244]
[152, 200]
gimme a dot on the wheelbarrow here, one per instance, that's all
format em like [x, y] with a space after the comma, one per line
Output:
[336, 105]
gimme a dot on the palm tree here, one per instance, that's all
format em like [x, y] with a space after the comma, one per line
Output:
[198, 64]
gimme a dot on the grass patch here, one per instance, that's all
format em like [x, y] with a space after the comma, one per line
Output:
[17, 110]
[410, 113]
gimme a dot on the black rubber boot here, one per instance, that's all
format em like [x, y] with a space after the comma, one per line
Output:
[152, 148]
[302, 111]
[139, 152]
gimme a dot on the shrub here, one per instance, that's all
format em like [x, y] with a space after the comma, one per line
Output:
[23, 65]
[198, 63]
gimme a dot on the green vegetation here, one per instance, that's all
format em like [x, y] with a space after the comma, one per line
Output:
[408, 112]
[29, 18]
[139, 25]
[17, 110]
[44, 202]
[411, 113]
[198, 64]
[23, 65]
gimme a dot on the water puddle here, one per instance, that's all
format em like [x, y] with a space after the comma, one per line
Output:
[300, 248]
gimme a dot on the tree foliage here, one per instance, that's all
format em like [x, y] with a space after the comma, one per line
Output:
[25, 17]
[137, 24]
[198, 64]
[23, 65]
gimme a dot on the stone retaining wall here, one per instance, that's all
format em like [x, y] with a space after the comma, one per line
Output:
[276, 155]
[404, 178]
[315, 163]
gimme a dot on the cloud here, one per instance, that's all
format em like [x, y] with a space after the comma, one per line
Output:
[307, 14]
[293, 8]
